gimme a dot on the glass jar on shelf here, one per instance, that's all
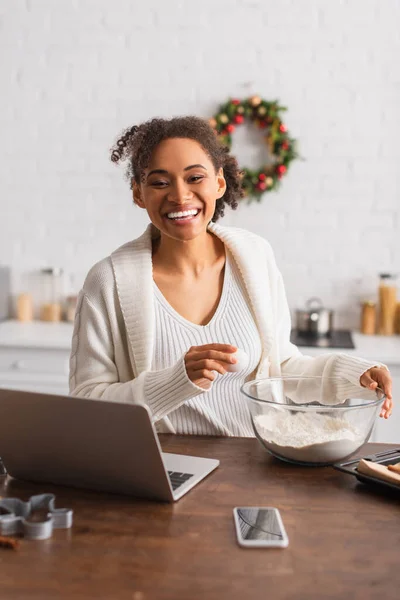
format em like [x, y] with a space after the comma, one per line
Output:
[51, 294]
[24, 307]
[397, 319]
[387, 303]
[368, 317]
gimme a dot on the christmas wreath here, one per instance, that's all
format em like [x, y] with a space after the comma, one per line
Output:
[281, 147]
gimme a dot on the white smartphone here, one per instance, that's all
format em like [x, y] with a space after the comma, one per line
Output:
[259, 527]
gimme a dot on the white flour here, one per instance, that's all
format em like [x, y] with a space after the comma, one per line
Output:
[308, 437]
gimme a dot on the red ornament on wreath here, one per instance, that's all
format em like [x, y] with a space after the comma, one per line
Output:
[282, 148]
[281, 170]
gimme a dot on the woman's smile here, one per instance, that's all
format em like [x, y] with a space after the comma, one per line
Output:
[183, 216]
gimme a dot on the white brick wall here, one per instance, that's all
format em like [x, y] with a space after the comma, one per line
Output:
[74, 73]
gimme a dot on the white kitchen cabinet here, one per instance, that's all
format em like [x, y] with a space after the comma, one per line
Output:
[35, 356]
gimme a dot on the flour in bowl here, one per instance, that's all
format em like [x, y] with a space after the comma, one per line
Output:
[308, 437]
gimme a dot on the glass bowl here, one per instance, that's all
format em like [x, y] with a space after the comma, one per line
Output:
[314, 421]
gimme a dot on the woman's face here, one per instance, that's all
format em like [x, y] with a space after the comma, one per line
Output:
[179, 188]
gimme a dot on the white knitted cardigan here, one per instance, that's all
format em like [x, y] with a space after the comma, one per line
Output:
[112, 346]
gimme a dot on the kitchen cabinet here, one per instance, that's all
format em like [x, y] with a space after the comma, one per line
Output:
[35, 356]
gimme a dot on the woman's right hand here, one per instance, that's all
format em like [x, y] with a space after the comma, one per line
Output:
[201, 361]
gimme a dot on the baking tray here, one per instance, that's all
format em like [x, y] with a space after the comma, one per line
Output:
[387, 457]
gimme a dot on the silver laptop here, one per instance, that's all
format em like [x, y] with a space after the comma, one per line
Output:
[92, 444]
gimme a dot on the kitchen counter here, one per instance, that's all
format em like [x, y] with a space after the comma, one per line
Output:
[39, 334]
[36, 334]
[343, 536]
[383, 348]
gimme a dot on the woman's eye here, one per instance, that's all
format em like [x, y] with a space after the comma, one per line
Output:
[196, 178]
[158, 183]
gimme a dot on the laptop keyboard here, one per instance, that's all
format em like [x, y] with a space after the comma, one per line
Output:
[178, 478]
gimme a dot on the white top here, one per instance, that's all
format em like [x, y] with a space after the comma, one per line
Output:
[222, 410]
[114, 332]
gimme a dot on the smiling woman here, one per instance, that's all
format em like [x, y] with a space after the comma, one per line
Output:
[181, 317]
[180, 196]
[137, 145]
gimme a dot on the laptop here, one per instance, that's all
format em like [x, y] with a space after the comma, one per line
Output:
[92, 444]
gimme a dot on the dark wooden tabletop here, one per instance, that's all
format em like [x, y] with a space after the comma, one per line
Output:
[344, 536]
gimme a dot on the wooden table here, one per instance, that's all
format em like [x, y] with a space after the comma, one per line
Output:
[344, 537]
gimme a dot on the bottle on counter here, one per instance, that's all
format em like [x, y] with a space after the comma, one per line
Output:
[368, 317]
[51, 290]
[387, 303]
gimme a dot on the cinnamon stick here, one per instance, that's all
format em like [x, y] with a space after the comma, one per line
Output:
[9, 543]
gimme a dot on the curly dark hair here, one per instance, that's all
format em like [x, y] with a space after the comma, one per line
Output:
[137, 144]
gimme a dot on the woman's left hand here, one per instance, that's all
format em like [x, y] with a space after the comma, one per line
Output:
[379, 377]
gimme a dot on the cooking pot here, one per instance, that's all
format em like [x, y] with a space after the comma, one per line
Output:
[316, 320]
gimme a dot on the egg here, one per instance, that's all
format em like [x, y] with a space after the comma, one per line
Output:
[242, 361]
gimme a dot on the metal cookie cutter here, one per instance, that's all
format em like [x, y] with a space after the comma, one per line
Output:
[17, 519]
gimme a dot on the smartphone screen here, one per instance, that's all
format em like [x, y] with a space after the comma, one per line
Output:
[260, 527]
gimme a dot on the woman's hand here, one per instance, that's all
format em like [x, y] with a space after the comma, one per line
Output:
[380, 377]
[201, 361]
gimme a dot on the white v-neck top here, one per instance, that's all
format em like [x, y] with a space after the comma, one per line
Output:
[222, 409]
[114, 333]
